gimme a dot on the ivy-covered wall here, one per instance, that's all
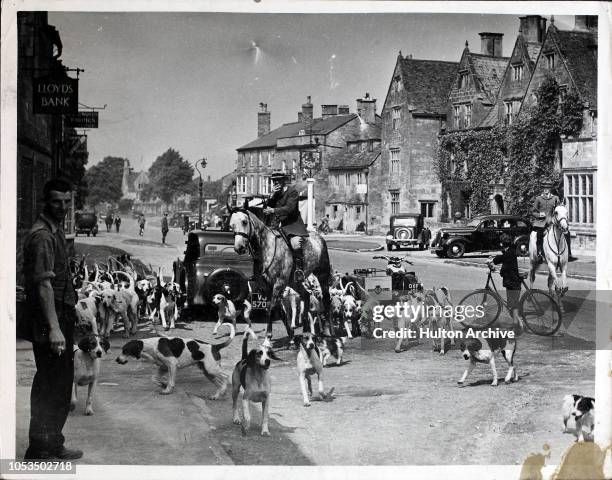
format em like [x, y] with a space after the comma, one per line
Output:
[520, 155]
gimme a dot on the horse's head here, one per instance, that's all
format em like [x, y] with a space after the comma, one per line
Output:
[241, 225]
[560, 217]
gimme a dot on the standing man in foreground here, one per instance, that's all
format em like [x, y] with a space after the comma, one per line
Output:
[51, 300]
[164, 227]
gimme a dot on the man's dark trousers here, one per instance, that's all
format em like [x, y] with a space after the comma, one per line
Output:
[51, 390]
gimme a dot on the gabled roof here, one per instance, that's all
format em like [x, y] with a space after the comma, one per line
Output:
[352, 159]
[427, 83]
[320, 126]
[491, 119]
[489, 72]
[579, 51]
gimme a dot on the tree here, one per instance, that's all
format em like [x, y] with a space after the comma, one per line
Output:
[170, 175]
[104, 180]
[76, 156]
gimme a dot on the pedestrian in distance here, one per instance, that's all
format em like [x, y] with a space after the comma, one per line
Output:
[141, 222]
[511, 278]
[185, 224]
[117, 223]
[164, 227]
[51, 314]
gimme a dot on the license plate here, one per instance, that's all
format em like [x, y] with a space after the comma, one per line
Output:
[258, 301]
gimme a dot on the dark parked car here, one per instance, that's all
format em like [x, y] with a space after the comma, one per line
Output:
[212, 266]
[405, 230]
[178, 218]
[482, 234]
[85, 222]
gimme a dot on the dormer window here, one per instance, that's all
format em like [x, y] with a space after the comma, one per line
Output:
[456, 116]
[550, 61]
[517, 72]
[463, 80]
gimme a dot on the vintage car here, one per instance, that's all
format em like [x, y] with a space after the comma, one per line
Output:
[212, 266]
[178, 218]
[482, 234]
[405, 231]
[85, 222]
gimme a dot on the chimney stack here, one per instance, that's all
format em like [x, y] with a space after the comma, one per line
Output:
[263, 120]
[366, 108]
[306, 117]
[533, 28]
[586, 23]
[491, 44]
[329, 111]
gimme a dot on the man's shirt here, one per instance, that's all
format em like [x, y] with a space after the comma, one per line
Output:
[45, 256]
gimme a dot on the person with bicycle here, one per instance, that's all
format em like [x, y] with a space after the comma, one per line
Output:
[511, 278]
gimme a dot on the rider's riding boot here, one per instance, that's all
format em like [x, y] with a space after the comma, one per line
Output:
[539, 245]
[568, 240]
[298, 256]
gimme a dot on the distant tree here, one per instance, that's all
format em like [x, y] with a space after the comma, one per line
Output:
[76, 156]
[170, 175]
[104, 181]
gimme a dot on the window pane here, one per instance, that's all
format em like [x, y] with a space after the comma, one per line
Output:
[590, 208]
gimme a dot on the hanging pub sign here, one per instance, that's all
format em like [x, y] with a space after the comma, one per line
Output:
[310, 161]
[82, 120]
[56, 94]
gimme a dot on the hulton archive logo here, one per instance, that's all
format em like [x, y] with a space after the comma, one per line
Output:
[378, 289]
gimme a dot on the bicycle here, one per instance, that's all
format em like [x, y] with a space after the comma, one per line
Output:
[538, 309]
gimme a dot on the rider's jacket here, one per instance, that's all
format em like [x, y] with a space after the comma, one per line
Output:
[545, 205]
[286, 211]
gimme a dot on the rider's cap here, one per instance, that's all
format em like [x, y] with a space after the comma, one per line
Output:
[279, 175]
[506, 239]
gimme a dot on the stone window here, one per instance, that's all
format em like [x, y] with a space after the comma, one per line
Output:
[580, 197]
[468, 116]
[294, 166]
[395, 162]
[397, 84]
[252, 157]
[456, 116]
[517, 72]
[396, 116]
[265, 185]
[252, 184]
[463, 80]
[509, 113]
[394, 201]
[269, 158]
[259, 159]
[427, 208]
[335, 212]
[347, 179]
[550, 61]
[361, 178]
[241, 184]
[284, 166]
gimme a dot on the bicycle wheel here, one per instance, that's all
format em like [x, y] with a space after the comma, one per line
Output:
[486, 306]
[541, 313]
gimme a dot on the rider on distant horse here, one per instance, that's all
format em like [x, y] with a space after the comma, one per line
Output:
[543, 208]
[283, 206]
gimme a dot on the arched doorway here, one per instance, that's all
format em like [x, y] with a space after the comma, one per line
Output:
[498, 204]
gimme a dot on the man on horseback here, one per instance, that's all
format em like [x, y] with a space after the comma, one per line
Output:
[283, 208]
[543, 208]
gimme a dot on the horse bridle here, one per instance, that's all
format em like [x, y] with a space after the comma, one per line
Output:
[559, 252]
[247, 236]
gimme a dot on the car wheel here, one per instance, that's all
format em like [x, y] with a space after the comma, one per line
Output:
[522, 248]
[440, 254]
[455, 250]
[389, 247]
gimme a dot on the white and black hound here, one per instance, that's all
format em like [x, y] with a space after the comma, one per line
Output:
[582, 410]
[87, 357]
[309, 363]
[226, 310]
[252, 378]
[170, 354]
[476, 351]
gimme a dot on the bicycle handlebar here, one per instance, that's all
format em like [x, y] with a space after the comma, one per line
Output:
[392, 259]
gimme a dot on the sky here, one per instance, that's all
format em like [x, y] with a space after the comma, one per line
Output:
[193, 81]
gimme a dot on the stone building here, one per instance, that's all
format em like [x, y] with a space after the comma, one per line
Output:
[413, 114]
[40, 137]
[570, 57]
[473, 95]
[285, 147]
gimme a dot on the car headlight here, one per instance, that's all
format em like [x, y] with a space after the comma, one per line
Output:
[389, 237]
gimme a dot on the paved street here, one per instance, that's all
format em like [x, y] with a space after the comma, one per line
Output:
[395, 408]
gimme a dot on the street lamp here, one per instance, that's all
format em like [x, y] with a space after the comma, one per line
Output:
[202, 162]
